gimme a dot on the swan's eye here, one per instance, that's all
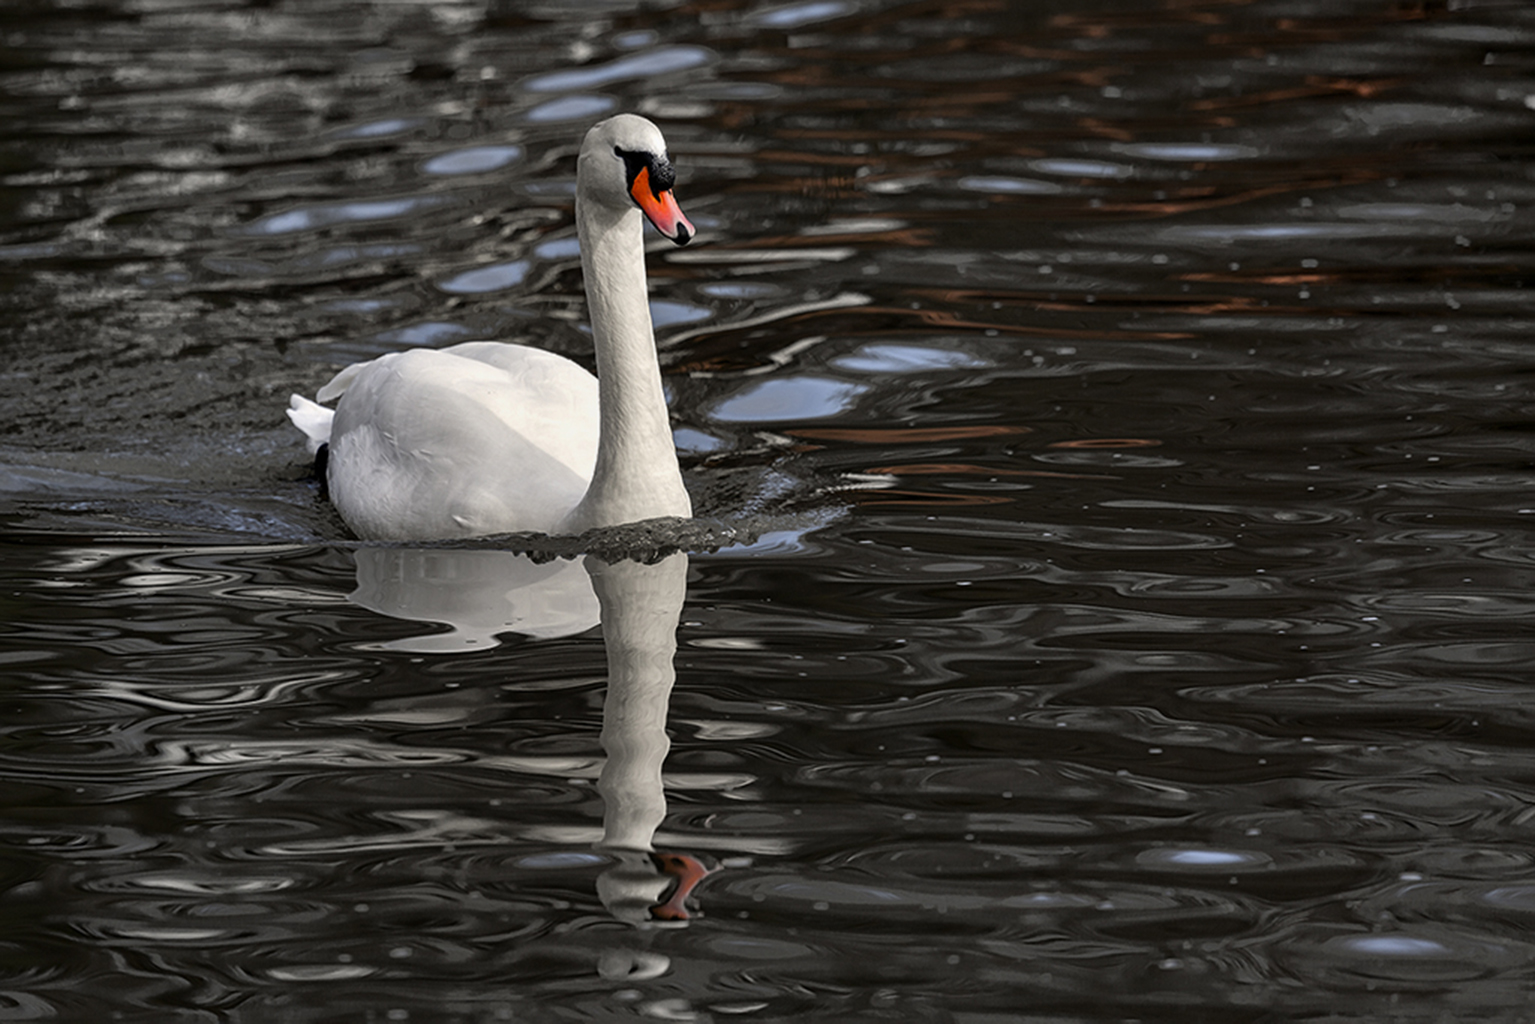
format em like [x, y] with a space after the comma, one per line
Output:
[662, 177]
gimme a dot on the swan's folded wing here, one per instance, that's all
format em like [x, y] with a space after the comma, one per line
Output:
[436, 444]
[539, 395]
[341, 381]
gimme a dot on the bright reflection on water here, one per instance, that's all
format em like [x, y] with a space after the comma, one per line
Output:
[1113, 428]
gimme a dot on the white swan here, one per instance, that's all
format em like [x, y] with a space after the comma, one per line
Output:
[486, 437]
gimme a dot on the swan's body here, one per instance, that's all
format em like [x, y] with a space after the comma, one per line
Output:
[487, 437]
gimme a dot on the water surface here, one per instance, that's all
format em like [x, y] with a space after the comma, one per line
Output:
[1112, 429]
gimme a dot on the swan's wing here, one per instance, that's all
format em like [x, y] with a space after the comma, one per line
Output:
[542, 396]
[514, 359]
[341, 381]
[431, 444]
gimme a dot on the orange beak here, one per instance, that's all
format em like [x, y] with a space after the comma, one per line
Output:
[661, 209]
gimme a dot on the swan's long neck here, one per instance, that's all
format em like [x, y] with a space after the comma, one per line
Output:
[636, 475]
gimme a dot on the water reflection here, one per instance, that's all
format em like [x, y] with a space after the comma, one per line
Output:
[641, 605]
[472, 160]
[482, 594]
[324, 215]
[479, 594]
[662, 60]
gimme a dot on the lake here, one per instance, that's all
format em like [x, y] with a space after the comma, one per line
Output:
[1112, 432]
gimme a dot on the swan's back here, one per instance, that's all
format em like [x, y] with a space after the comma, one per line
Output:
[478, 438]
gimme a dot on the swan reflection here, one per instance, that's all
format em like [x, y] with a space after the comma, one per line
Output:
[640, 608]
[481, 594]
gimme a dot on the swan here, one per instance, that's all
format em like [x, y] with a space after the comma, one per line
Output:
[488, 437]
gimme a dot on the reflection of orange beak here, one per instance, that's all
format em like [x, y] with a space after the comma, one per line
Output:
[662, 209]
[686, 868]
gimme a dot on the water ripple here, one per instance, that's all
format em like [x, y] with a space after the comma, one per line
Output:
[1140, 397]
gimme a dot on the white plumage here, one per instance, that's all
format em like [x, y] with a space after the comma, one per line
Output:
[486, 437]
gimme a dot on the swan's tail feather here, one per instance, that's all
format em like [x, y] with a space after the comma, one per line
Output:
[313, 419]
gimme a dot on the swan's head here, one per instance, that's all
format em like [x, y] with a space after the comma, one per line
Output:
[623, 164]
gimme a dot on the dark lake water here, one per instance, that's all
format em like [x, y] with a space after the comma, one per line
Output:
[1113, 430]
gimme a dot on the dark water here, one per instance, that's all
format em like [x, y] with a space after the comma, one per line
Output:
[1125, 411]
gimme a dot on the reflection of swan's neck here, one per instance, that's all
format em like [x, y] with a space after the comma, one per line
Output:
[636, 476]
[640, 608]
